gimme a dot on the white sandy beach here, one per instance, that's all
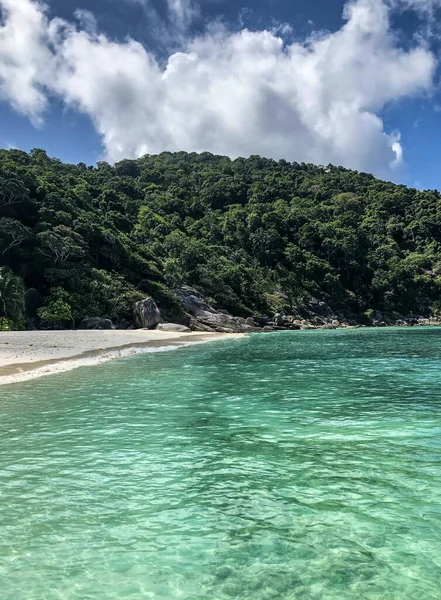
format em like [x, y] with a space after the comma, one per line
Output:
[29, 354]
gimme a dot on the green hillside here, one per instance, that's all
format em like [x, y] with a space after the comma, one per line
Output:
[253, 235]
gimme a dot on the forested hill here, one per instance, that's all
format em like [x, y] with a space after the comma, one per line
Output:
[253, 235]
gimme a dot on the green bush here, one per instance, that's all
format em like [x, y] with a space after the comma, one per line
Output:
[11, 295]
[56, 310]
[6, 324]
[12, 324]
[367, 316]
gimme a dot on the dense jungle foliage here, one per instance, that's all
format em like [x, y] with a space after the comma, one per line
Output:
[254, 235]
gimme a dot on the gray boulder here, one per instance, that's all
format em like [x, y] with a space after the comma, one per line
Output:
[320, 308]
[204, 317]
[262, 320]
[221, 322]
[122, 324]
[193, 302]
[198, 326]
[95, 323]
[173, 327]
[279, 320]
[312, 309]
[146, 314]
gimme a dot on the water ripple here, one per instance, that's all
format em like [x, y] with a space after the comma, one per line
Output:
[302, 465]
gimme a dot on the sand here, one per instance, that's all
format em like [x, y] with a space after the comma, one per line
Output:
[29, 354]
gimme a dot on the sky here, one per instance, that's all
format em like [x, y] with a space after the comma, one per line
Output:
[352, 83]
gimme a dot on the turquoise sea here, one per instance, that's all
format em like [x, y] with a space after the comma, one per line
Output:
[299, 465]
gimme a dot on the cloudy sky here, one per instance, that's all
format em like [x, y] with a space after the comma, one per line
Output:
[325, 81]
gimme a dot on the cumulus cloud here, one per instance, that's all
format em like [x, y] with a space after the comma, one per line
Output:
[235, 93]
[24, 56]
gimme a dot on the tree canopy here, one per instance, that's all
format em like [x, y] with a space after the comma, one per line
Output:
[251, 234]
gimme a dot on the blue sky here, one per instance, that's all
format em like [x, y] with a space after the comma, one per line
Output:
[309, 80]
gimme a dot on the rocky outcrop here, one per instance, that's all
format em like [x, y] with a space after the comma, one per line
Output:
[311, 314]
[123, 324]
[193, 301]
[409, 320]
[279, 320]
[173, 327]
[224, 323]
[204, 317]
[146, 314]
[314, 308]
[95, 323]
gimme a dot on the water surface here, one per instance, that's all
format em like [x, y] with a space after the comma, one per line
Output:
[301, 465]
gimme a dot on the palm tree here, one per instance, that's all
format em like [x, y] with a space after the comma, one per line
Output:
[11, 294]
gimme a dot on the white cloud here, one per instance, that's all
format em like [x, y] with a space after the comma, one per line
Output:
[235, 93]
[170, 28]
[86, 19]
[24, 56]
[183, 11]
[422, 6]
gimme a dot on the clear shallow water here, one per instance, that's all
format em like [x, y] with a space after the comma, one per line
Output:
[302, 465]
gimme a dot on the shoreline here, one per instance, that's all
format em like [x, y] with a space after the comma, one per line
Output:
[27, 355]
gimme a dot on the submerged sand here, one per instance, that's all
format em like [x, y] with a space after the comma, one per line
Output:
[29, 354]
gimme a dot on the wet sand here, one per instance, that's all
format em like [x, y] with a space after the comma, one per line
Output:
[29, 354]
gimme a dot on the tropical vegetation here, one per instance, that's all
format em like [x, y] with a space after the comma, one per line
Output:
[253, 235]
[11, 299]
